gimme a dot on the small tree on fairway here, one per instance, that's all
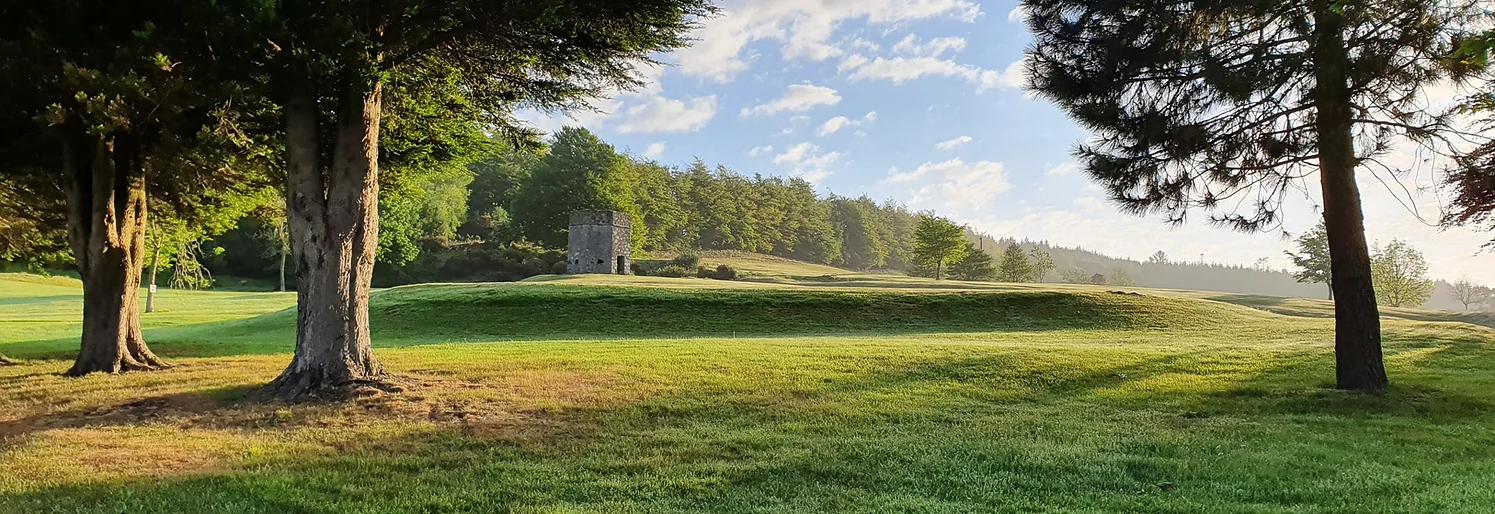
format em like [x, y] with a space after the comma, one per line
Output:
[1014, 266]
[1312, 260]
[1119, 277]
[938, 241]
[1041, 262]
[1233, 103]
[1401, 275]
[1466, 292]
[976, 265]
[1074, 276]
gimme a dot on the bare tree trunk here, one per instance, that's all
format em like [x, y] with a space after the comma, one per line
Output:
[285, 245]
[1357, 322]
[332, 211]
[106, 228]
[150, 291]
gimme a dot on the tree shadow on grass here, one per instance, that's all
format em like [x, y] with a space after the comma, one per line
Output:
[697, 449]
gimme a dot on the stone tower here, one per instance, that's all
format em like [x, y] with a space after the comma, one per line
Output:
[598, 242]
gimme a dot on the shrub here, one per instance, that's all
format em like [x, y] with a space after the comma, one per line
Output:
[722, 272]
[725, 272]
[672, 271]
[638, 269]
[686, 260]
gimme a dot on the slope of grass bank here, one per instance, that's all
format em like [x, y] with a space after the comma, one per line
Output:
[620, 394]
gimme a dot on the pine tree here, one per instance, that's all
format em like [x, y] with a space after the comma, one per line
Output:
[1198, 105]
[976, 265]
[1014, 266]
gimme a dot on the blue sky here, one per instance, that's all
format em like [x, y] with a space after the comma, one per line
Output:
[921, 101]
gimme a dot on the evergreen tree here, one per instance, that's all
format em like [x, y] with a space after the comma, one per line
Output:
[938, 241]
[976, 265]
[1014, 266]
[329, 64]
[1194, 105]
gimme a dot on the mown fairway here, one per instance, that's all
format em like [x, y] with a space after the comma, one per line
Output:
[802, 391]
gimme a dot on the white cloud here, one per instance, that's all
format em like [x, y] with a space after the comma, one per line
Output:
[852, 62]
[911, 46]
[760, 150]
[661, 114]
[1091, 204]
[803, 28]
[1062, 169]
[1010, 77]
[805, 161]
[951, 144]
[799, 97]
[902, 69]
[654, 150]
[1016, 14]
[833, 125]
[956, 186]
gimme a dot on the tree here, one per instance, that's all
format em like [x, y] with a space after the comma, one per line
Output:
[976, 265]
[1158, 257]
[1041, 262]
[328, 66]
[1467, 292]
[1312, 260]
[1074, 276]
[938, 241]
[110, 104]
[1401, 275]
[1119, 277]
[579, 172]
[1233, 103]
[1014, 266]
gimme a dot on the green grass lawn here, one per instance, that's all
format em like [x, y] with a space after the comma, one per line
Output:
[796, 390]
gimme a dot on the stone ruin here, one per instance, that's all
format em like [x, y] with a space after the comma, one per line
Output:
[598, 242]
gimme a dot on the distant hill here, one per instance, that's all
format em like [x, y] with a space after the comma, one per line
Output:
[1199, 276]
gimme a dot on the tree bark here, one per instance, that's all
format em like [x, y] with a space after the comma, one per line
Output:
[332, 212]
[1357, 322]
[106, 229]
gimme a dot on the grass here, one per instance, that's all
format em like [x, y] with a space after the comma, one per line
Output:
[796, 392]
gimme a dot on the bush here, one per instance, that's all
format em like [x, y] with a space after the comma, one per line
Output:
[725, 272]
[722, 272]
[638, 269]
[686, 260]
[672, 271]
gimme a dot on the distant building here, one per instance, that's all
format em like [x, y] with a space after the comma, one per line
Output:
[598, 242]
[1098, 279]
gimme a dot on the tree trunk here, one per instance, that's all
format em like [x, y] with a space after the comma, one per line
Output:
[150, 291]
[1357, 322]
[284, 249]
[106, 229]
[332, 211]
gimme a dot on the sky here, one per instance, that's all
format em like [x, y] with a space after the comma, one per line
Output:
[921, 101]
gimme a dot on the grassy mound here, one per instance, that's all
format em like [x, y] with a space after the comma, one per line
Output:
[557, 310]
